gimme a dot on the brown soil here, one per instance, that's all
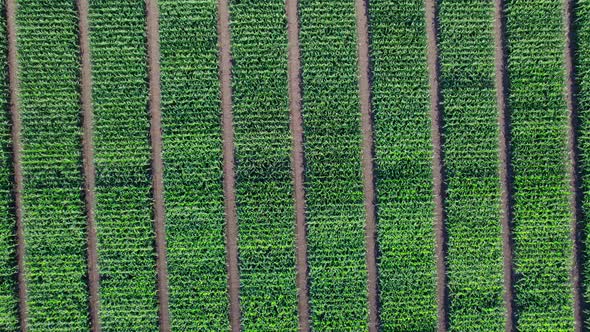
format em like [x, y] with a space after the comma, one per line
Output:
[504, 155]
[298, 160]
[442, 293]
[573, 169]
[367, 162]
[231, 218]
[88, 165]
[153, 40]
[15, 120]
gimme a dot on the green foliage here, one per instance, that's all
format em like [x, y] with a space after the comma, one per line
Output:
[192, 157]
[54, 222]
[336, 215]
[470, 135]
[582, 26]
[122, 158]
[403, 153]
[8, 292]
[264, 189]
[543, 249]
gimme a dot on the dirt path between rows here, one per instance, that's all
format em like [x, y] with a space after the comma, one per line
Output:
[505, 171]
[159, 213]
[573, 169]
[15, 136]
[364, 68]
[298, 161]
[229, 185]
[442, 294]
[88, 165]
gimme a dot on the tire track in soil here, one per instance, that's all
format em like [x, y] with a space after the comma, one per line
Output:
[438, 172]
[364, 68]
[89, 171]
[298, 161]
[15, 135]
[573, 167]
[229, 176]
[505, 170]
[159, 213]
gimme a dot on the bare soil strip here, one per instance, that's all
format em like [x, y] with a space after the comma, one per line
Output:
[573, 169]
[298, 160]
[153, 45]
[438, 173]
[229, 176]
[504, 155]
[88, 164]
[13, 83]
[364, 68]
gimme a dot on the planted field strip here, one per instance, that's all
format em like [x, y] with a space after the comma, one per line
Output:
[403, 166]
[582, 63]
[264, 186]
[54, 222]
[122, 158]
[9, 318]
[543, 248]
[336, 216]
[474, 256]
[192, 159]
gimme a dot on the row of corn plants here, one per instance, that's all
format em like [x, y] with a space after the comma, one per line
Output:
[54, 221]
[470, 147]
[582, 63]
[192, 162]
[8, 300]
[122, 161]
[264, 190]
[543, 249]
[331, 116]
[403, 154]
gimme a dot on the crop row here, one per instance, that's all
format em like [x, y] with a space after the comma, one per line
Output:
[54, 222]
[192, 163]
[122, 161]
[264, 189]
[8, 300]
[331, 117]
[470, 145]
[543, 250]
[582, 14]
[403, 152]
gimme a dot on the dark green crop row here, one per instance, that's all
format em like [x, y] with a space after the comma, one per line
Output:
[403, 152]
[192, 162]
[8, 300]
[336, 215]
[54, 221]
[264, 187]
[543, 250]
[470, 145]
[122, 159]
[582, 15]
